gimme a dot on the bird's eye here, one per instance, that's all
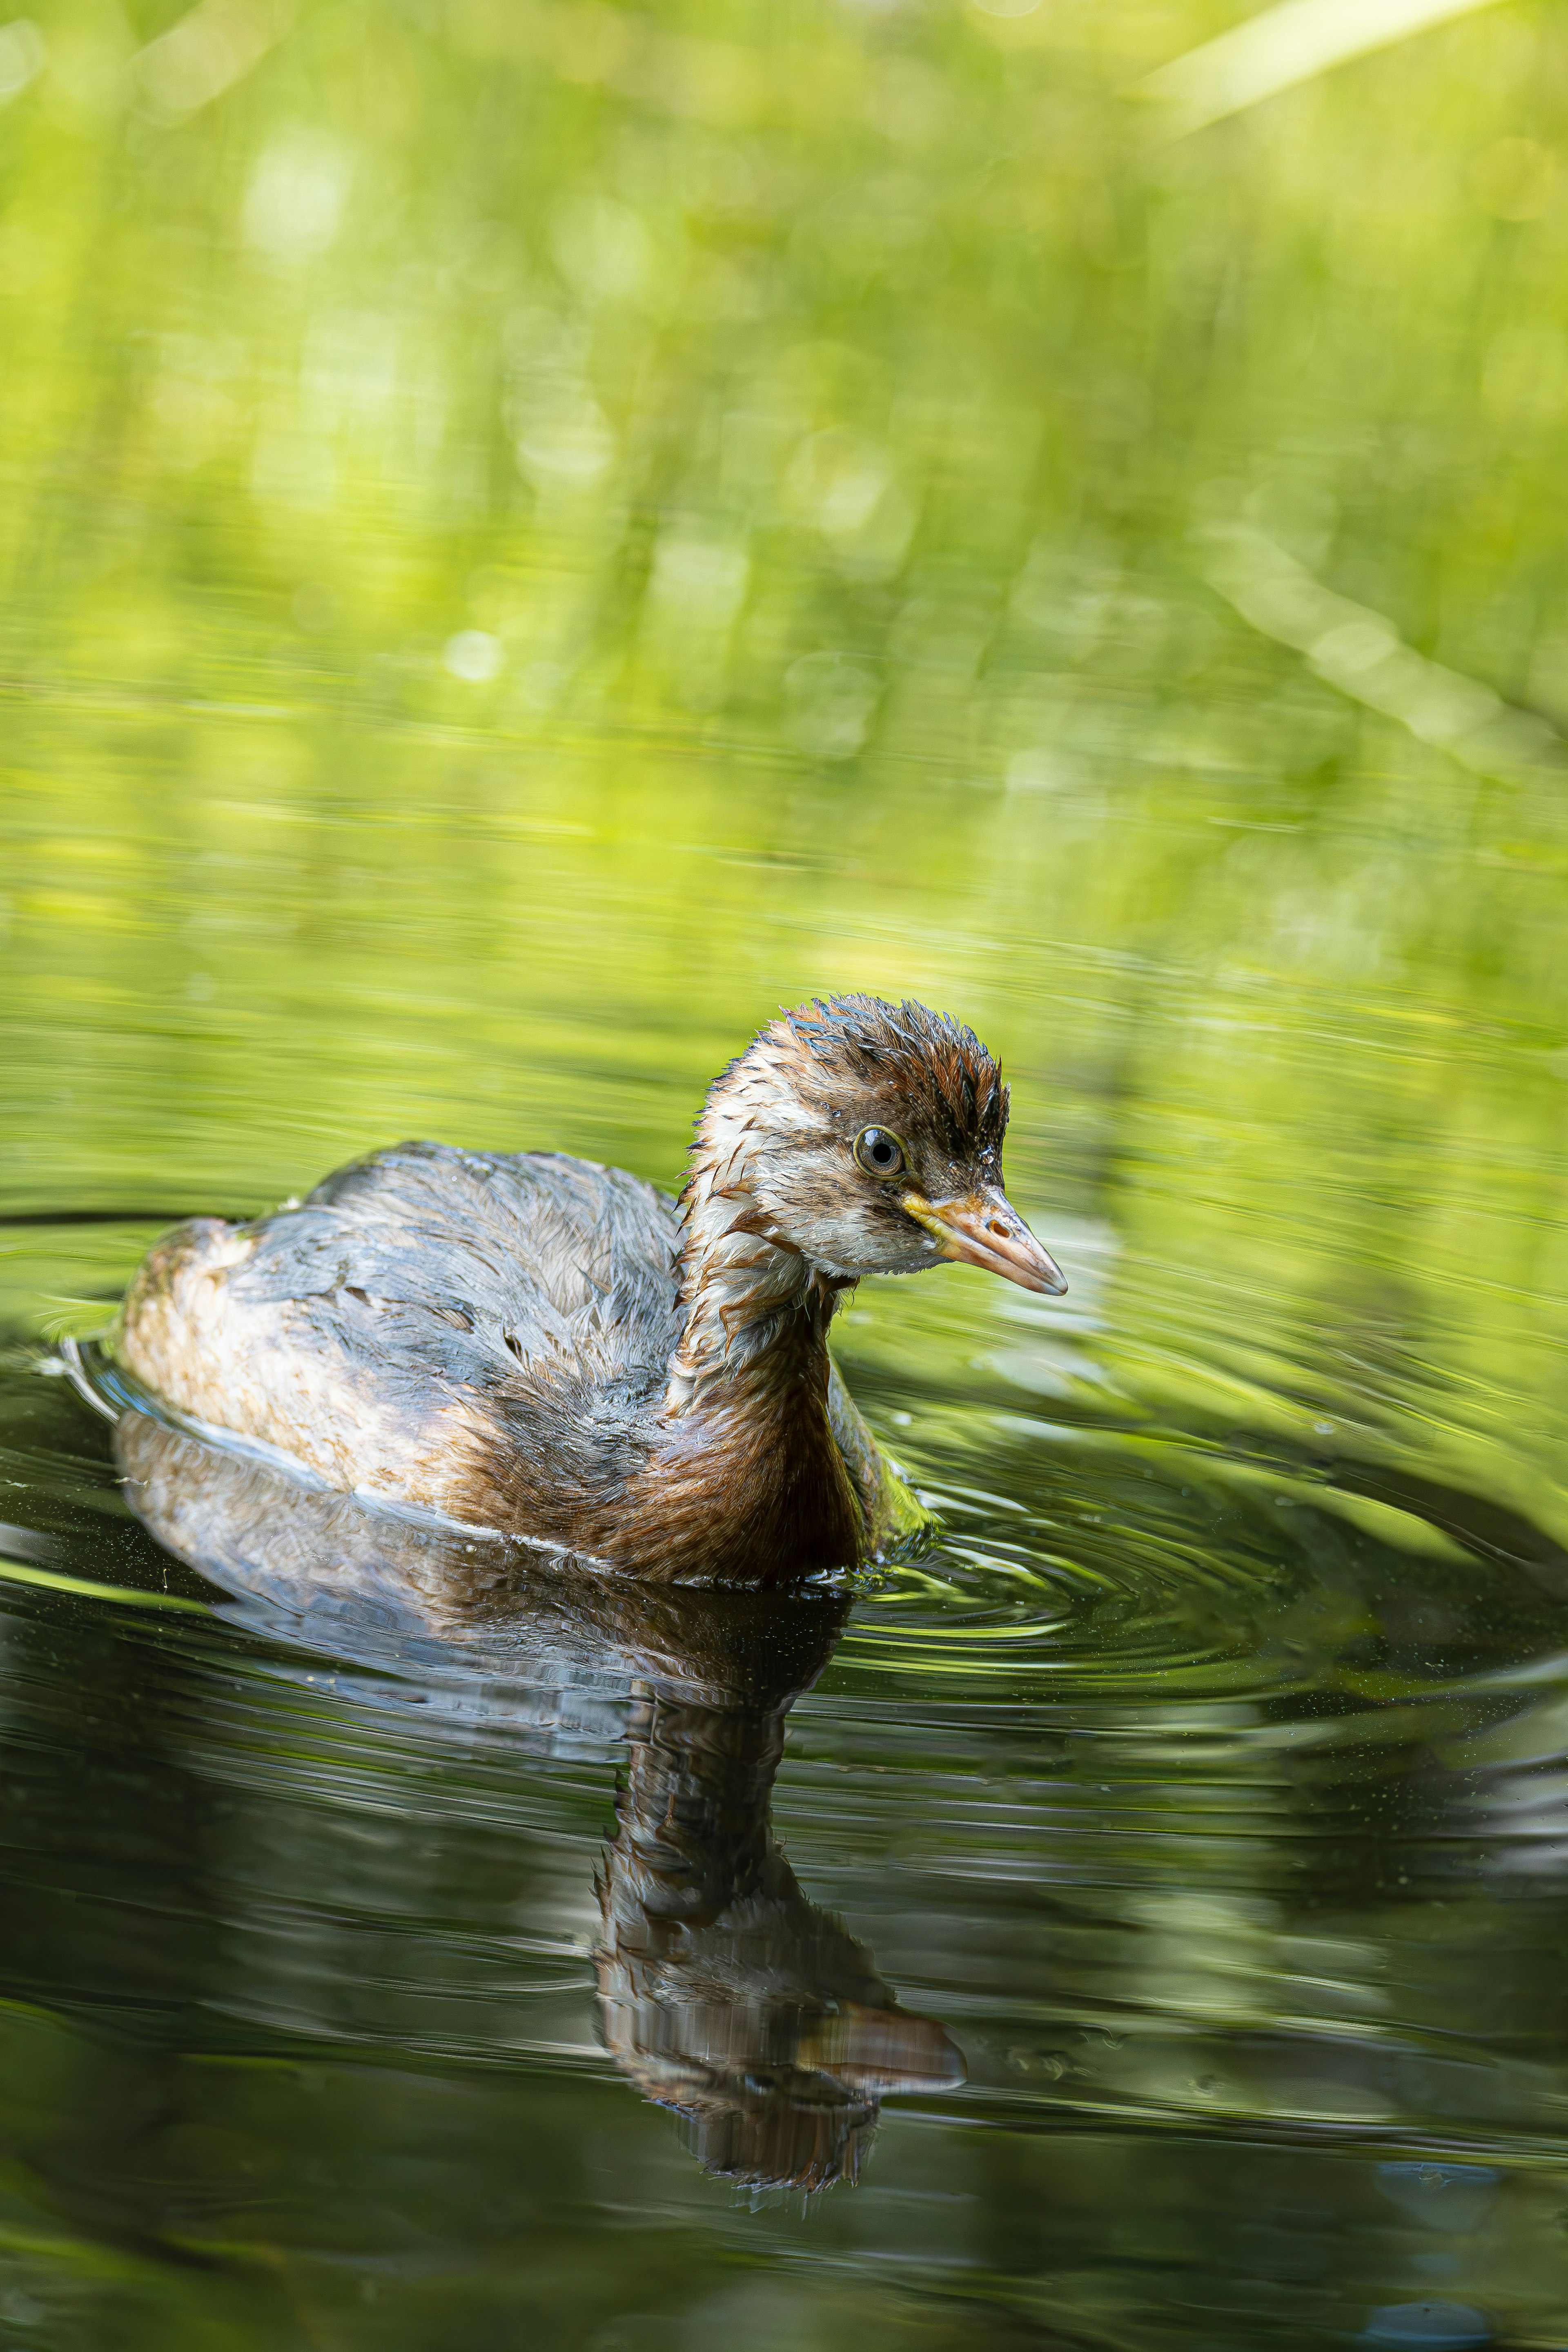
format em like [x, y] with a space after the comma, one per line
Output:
[879, 1153]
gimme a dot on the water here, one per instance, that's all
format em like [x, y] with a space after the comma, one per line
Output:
[531, 537]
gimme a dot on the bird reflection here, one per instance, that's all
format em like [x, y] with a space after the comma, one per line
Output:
[725, 1994]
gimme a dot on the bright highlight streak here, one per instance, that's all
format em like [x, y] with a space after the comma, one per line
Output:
[1363, 655]
[1286, 45]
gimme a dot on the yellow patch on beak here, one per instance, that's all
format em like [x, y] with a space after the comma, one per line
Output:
[984, 1229]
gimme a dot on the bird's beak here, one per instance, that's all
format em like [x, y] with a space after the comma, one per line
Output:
[984, 1229]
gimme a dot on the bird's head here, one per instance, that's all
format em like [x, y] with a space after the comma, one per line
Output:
[867, 1137]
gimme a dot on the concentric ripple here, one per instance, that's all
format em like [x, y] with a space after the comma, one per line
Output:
[1107, 1552]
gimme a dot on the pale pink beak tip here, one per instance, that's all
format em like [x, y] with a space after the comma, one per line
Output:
[985, 1230]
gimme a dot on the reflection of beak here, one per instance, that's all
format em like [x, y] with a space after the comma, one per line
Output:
[984, 1229]
[882, 2049]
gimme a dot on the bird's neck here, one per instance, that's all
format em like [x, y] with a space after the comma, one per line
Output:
[746, 1483]
[693, 1813]
[757, 1310]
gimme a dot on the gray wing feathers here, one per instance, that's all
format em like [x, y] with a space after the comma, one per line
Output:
[472, 1263]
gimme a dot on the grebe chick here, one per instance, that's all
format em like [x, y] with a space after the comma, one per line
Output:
[556, 1351]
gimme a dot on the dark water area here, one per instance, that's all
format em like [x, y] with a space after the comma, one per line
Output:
[1153, 1892]
[532, 535]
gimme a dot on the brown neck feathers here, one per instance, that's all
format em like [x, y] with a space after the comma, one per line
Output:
[746, 1482]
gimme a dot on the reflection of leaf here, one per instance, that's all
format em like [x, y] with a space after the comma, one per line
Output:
[75, 1318]
[831, 697]
[563, 438]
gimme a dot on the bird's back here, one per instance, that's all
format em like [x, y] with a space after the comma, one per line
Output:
[549, 1261]
[423, 1313]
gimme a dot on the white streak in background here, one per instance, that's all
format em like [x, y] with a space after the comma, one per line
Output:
[22, 57]
[26, 1543]
[208, 51]
[1364, 656]
[1285, 44]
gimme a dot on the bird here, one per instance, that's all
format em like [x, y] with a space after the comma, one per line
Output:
[539, 1347]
